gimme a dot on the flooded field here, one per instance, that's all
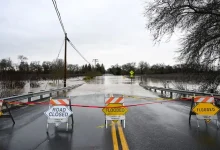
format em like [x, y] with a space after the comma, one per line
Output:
[43, 85]
[115, 84]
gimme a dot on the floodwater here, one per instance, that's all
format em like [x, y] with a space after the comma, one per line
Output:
[107, 84]
[45, 85]
[168, 83]
[112, 85]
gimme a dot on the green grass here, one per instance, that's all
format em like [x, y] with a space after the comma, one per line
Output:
[91, 75]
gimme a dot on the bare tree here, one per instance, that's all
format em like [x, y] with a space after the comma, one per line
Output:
[198, 19]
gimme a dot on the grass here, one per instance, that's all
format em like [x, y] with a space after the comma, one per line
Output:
[91, 75]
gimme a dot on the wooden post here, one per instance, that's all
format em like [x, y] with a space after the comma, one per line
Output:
[41, 96]
[171, 94]
[29, 98]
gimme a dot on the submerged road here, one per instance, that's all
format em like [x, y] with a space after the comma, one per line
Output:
[156, 126]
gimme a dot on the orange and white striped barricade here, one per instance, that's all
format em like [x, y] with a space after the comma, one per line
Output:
[204, 109]
[60, 111]
[112, 113]
[2, 103]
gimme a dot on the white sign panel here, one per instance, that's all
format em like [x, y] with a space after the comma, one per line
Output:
[201, 117]
[118, 117]
[58, 113]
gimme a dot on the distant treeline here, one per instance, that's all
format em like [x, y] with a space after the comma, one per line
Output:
[144, 68]
[45, 70]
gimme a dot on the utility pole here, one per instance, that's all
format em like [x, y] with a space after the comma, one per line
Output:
[65, 60]
[95, 60]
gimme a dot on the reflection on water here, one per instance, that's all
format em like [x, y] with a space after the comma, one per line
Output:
[111, 79]
[124, 85]
[169, 84]
[147, 81]
[112, 85]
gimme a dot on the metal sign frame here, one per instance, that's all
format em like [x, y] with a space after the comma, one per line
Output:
[114, 117]
[206, 118]
[8, 110]
[58, 121]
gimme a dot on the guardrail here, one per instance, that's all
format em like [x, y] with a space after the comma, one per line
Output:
[42, 94]
[181, 92]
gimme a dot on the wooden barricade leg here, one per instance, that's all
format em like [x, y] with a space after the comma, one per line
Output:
[71, 114]
[47, 118]
[10, 115]
[124, 119]
[106, 123]
[8, 110]
[191, 112]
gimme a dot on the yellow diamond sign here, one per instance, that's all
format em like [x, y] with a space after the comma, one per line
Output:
[114, 109]
[205, 109]
[131, 72]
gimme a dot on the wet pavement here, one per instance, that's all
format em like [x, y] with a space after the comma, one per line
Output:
[155, 126]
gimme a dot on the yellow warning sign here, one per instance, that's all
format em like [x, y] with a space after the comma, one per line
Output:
[1, 113]
[205, 109]
[131, 72]
[114, 109]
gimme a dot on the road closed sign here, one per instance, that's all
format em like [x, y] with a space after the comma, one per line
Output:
[58, 112]
[205, 109]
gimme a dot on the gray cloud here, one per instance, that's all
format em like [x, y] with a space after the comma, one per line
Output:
[112, 31]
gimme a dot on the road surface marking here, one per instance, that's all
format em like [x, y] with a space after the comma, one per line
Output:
[122, 137]
[114, 137]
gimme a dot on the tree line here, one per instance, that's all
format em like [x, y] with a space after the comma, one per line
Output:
[45, 70]
[145, 68]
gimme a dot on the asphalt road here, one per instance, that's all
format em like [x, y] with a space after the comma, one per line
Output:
[155, 126]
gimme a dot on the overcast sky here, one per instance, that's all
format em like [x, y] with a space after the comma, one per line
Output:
[112, 31]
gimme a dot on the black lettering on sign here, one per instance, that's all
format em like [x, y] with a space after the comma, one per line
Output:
[58, 112]
[115, 109]
[205, 109]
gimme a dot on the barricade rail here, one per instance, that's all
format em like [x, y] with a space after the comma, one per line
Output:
[35, 94]
[182, 92]
[4, 105]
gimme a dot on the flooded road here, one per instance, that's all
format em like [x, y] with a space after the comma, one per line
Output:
[155, 126]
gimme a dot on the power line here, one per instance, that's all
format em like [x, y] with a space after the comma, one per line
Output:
[61, 23]
[78, 51]
[58, 15]
[60, 50]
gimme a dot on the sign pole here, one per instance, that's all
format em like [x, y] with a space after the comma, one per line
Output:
[65, 59]
[191, 112]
